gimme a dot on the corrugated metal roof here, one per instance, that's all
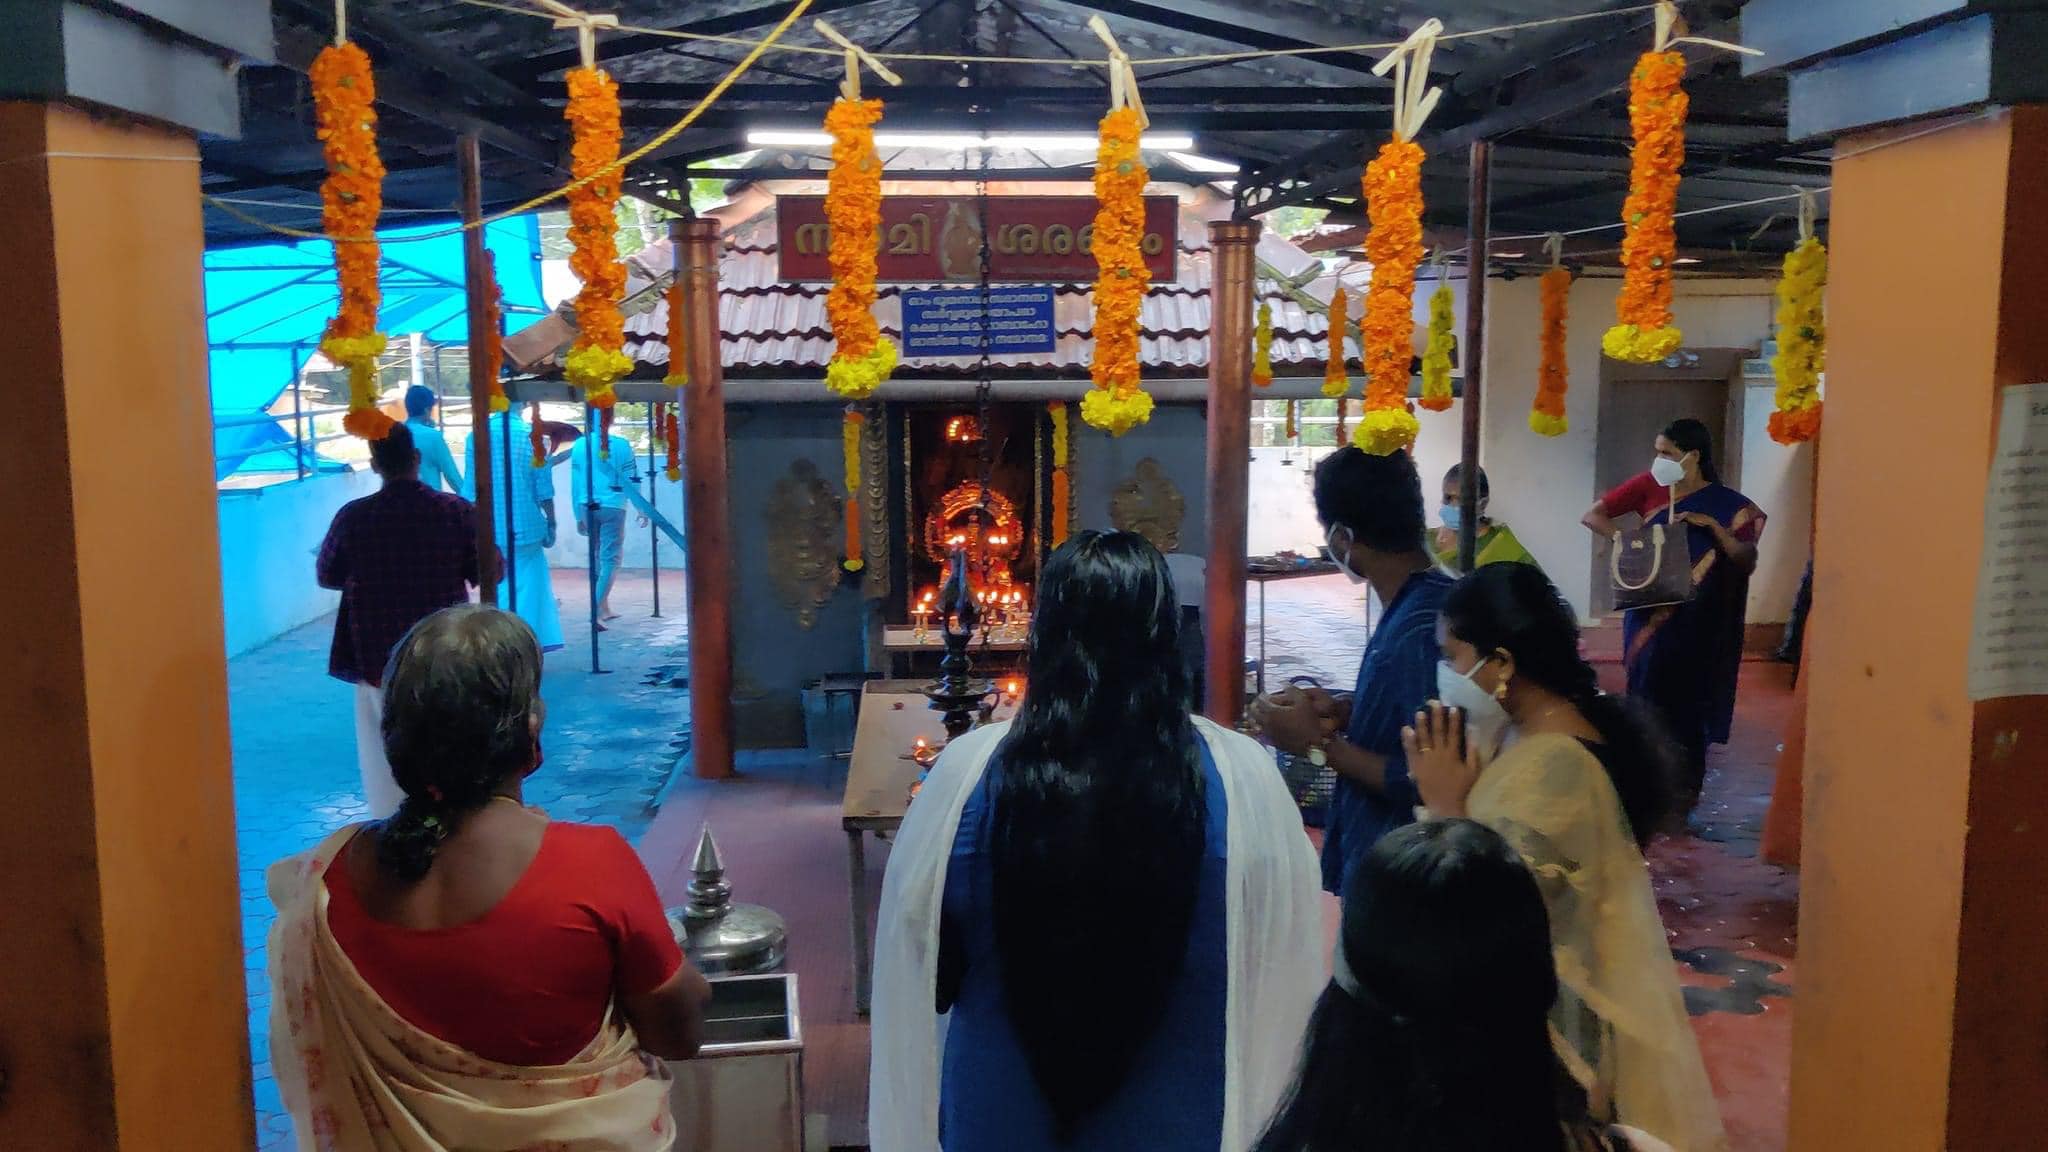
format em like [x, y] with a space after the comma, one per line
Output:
[772, 327]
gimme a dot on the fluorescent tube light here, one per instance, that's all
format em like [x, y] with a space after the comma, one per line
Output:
[960, 141]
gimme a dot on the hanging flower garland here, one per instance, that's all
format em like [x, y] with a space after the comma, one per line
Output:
[678, 365]
[849, 438]
[1656, 113]
[862, 358]
[672, 433]
[1293, 419]
[1547, 414]
[1336, 381]
[1393, 203]
[351, 199]
[536, 435]
[1061, 481]
[598, 358]
[1262, 347]
[1802, 335]
[1118, 402]
[1343, 417]
[1436, 356]
[493, 361]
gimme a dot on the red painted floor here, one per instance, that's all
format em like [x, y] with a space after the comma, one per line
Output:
[1732, 918]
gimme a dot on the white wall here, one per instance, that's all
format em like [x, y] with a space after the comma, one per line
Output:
[269, 538]
[1282, 507]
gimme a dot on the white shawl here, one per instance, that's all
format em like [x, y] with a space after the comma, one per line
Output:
[1277, 965]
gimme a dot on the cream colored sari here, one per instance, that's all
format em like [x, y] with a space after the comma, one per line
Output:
[1619, 1010]
[358, 1078]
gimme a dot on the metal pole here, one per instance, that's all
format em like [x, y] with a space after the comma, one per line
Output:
[478, 291]
[1233, 245]
[1473, 354]
[298, 416]
[590, 447]
[653, 493]
[511, 568]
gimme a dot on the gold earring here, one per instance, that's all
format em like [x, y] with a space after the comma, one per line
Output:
[1500, 690]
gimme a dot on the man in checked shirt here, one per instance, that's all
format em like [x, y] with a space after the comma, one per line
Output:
[396, 557]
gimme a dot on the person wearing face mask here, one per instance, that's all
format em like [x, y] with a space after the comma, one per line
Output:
[1371, 511]
[1521, 739]
[1496, 541]
[1685, 658]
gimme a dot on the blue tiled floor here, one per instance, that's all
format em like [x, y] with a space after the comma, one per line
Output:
[609, 742]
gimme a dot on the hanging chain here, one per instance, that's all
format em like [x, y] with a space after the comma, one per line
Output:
[983, 384]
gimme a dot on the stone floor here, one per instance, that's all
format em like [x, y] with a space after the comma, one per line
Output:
[611, 740]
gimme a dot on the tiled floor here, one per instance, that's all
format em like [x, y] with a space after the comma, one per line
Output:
[609, 741]
[610, 748]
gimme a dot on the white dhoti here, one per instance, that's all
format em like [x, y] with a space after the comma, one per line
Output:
[535, 603]
[380, 791]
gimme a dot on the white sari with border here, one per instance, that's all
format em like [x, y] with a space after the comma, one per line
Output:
[1276, 958]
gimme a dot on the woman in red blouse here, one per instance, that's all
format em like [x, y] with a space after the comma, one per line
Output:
[470, 974]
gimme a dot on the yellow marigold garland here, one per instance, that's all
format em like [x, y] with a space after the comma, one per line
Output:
[1546, 414]
[1060, 479]
[598, 357]
[1656, 112]
[671, 431]
[1262, 347]
[849, 442]
[493, 361]
[1118, 402]
[1393, 203]
[1336, 381]
[1436, 356]
[1802, 344]
[351, 199]
[862, 357]
[678, 368]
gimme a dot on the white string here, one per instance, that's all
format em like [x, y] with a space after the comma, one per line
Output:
[340, 22]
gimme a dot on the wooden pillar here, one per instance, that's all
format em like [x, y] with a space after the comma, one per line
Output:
[1233, 254]
[123, 1023]
[707, 509]
[477, 280]
[1479, 208]
[1924, 887]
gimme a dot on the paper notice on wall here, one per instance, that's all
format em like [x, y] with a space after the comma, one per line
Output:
[2009, 630]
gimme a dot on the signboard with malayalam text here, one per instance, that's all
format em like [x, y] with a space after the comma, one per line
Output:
[937, 239]
[948, 321]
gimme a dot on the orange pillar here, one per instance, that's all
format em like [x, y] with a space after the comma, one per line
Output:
[1233, 248]
[1922, 1008]
[706, 506]
[122, 1018]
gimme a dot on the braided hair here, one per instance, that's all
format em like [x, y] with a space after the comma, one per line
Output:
[461, 705]
[1514, 608]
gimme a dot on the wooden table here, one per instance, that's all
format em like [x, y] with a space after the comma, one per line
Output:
[902, 644]
[893, 714]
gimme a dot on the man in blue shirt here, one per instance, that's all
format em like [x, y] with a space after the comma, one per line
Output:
[1372, 513]
[601, 506]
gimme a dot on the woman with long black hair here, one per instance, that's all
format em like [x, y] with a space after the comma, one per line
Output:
[1432, 1037]
[1521, 739]
[1110, 902]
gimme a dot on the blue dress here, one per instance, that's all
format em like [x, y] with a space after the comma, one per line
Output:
[1174, 1099]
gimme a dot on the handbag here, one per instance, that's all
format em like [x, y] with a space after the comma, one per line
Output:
[1651, 565]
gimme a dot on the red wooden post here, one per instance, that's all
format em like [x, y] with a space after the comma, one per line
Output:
[706, 506]
[470, 169]
[1233, 249]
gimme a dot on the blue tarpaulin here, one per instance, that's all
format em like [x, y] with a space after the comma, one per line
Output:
[267, 305]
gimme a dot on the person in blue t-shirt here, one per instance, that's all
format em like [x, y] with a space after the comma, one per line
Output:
[601, 506]
[1372, 513]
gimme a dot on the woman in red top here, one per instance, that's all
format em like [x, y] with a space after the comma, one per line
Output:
[469, 974]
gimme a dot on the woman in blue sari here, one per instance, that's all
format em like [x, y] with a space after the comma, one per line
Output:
[1684, 658]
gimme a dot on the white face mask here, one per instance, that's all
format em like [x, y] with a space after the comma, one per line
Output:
[1485, 719]
[1342, 556]
[1667, 471]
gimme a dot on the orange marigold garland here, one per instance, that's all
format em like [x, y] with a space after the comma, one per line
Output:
[672, 433]
[1118, 402]
[1293, 419]
[1061, 481]
[849, 441]
[678, 367]
[1343, 418]
[1393, 202]
[1336, 381]
[1547, 415]
[351, 198]
[862, 358]
[536, 436]
[598, 357]
[493, 361]
[1657, 103]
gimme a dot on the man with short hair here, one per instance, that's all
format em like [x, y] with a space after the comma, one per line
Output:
[1372, 514]
[599, 479]
[397, 557]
